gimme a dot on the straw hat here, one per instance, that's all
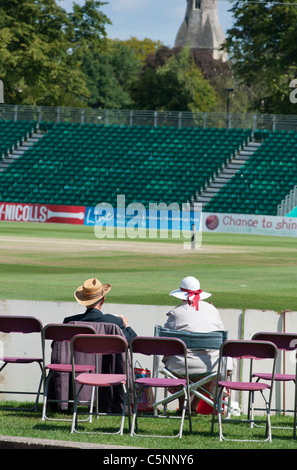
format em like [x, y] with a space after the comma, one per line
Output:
[189, 285]
[91, 291]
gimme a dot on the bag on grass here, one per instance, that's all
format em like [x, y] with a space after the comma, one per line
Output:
[147, 397]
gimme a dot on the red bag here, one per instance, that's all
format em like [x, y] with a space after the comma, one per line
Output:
[147, 396]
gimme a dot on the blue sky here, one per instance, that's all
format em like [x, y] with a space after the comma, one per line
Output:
[154, 19]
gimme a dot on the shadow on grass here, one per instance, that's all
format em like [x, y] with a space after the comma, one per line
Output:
[28, 424]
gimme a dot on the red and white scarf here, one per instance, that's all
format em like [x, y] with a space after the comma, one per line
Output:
[193, 297]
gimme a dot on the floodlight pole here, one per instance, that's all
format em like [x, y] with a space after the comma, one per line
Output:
[1, 92]
[229, 90]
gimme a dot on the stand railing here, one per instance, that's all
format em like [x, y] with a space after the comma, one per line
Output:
[148, 118]
[288, 203]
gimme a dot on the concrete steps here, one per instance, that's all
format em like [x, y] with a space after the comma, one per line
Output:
[227, 173]
[20, 150]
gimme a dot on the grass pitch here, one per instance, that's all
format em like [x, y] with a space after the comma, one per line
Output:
[29, 424]
[48, 262]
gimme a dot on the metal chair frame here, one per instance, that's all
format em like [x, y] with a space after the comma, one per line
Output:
[61, 332]
[24, 325]
[155, 346]
[100, 345]
[284, 342]
[199, 341]
[251, 350]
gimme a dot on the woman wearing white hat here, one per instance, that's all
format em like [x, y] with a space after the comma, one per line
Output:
[194, 315]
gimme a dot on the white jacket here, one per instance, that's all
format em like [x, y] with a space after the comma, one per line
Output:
[186, 318]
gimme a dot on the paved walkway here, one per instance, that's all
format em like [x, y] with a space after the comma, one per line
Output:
[13, 442]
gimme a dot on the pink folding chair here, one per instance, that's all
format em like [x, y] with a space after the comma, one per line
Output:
[101, 345]
[159, 346]
[283, 342]
[251, 350]
[25, 325]
[61, 332]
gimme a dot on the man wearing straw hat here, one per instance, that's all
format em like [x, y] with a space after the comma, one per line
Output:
[92, 296]
[194, 315]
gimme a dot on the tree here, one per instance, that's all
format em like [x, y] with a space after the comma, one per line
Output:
[86, 28]
[110, 74]
[173, 82]
[263, 51]
[142, 48]
[39, 59]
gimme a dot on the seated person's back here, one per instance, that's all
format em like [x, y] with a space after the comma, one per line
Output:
[194, 315]
[92, 296]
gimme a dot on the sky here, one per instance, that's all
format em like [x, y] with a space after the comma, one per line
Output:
[153, 19]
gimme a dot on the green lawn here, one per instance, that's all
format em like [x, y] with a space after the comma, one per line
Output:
[29, 424]
[260, 273]
[37, 262]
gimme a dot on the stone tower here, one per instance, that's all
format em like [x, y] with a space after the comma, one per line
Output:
[201, 28]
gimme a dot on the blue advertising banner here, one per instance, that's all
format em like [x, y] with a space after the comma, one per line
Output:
[141, 218]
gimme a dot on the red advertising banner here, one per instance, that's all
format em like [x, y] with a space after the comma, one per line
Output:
[46, 213]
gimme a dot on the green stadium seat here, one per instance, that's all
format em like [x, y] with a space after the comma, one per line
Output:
[266, 177]
[138, 161]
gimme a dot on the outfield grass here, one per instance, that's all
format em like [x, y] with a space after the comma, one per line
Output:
[29, 424]
[241, 271]
[38, 263]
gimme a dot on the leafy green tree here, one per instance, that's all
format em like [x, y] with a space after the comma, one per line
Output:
[173, 82]
[86, 27]
[263, 52]
[39, 51]
[110, 74]
[142, 47]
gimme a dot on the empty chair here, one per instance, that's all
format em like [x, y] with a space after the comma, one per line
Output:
[249, 350]
[154, 346]
[24, 325]
[61, 333]
[101, 345]
[283, 342]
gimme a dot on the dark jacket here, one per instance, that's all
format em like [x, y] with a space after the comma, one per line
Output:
[95, 315]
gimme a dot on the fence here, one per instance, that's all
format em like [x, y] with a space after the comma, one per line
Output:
[288, 204]
[240, 324]
[148, 118]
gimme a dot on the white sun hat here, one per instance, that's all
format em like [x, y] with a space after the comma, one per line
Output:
[189, 288]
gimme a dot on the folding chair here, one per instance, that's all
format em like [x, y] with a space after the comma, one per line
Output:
[246, 350]
[61, 332]
[198, 341]
[154, 346]
[101, 345]
[283, 342]
[111, 398]
[25, 325]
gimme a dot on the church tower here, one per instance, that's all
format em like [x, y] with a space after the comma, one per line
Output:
[201, 28]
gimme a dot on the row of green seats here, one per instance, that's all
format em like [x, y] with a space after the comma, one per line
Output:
[265, 179]
[57, 161]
